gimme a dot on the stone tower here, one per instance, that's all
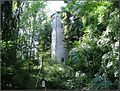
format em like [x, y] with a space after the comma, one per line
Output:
[58, 50]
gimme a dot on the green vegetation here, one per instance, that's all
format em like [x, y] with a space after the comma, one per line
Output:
[26, 36]
[90, 36]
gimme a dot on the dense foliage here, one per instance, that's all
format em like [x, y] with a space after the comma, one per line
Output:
[9, 29]
[90, 36]
[26, 36]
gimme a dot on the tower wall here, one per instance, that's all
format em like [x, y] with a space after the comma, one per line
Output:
[58, 50]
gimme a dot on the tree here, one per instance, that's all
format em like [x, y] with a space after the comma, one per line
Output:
[92, 51]
[25, 37]
[9, 27]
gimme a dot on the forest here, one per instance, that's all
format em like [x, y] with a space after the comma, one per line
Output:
[91, 37]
